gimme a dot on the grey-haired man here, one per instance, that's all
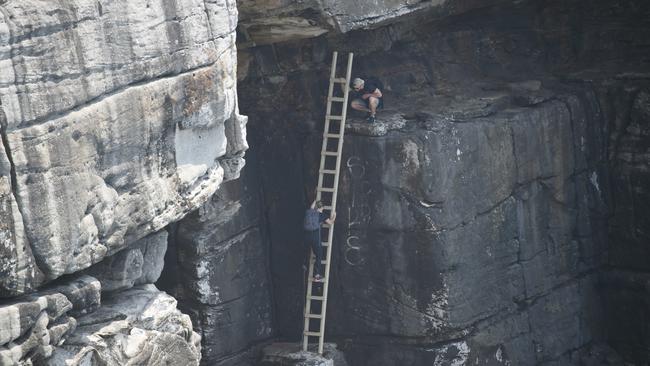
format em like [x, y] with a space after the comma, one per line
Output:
[370, 97]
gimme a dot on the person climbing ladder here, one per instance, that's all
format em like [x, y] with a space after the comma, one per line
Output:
[314, 218]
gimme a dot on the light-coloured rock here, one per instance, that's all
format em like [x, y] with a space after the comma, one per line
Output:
[139, 264]
[292, 354]
[30, 327]
[139, 326]
[18, 269]
[118, 118]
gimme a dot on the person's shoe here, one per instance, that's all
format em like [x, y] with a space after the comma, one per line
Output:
[372, 119]
[317, 278]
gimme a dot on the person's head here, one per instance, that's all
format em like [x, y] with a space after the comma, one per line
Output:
[357, 84]
[319, 205]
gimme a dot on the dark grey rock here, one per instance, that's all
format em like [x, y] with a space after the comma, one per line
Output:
[221, 278]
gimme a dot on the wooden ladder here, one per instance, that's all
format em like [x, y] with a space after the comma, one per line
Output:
[328, 181]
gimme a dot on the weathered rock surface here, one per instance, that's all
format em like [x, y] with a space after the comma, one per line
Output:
[265, 22]
[218, 267]
[473, 219]
[292, 354]
[118, 119]
[139, 264]
[71, 325]
[434, 206]
[139, 326]
[32, 327]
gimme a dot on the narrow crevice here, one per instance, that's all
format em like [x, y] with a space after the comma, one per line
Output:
[12, 166]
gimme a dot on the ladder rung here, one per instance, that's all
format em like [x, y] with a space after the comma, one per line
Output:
[325, 244]
[324, 261]
[338, 118]
[316, 297]
[327, 171]
[327, 226]
[314, 316]
[324, 189]
[333, 135]
[339, 80]
[312, 334]
[322, 280]
[330, 153]
[337, 99]
[327, 207]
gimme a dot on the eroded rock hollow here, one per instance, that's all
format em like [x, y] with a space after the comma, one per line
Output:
[496, 213]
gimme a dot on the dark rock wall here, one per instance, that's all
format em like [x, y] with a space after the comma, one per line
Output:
[479, 219]
[626, 281]
[217, 266]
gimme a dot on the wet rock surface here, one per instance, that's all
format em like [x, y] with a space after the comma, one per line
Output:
[473, 216]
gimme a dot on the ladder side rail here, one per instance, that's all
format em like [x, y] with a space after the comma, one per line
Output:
[307, 309]
[346, 93]
[330, 228]
[348, 73]
[328, 110]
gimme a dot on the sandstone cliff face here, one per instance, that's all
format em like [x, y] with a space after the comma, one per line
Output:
[105, 107]
[117, 119]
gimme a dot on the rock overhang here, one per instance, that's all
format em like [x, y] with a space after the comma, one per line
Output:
[264, 22]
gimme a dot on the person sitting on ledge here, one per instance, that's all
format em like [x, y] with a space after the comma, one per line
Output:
[369, 96]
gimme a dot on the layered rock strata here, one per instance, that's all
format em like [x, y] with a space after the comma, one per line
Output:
[264, 22]
[139, 326]
[118, 119]
[32, 327]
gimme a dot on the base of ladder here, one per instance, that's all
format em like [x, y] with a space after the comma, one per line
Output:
[290, 353]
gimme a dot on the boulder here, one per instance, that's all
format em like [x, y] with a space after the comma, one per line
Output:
[140, 326]
[139, 264]
[33, 326]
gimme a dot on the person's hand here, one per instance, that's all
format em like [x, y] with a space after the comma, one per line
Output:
[333, 216]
